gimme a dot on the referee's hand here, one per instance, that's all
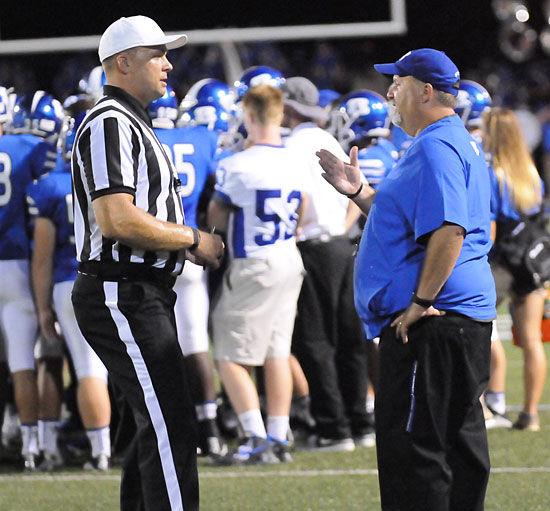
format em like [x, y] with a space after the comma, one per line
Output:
[209, 251]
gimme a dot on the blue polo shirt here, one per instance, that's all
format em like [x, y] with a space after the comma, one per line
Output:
[441, 178]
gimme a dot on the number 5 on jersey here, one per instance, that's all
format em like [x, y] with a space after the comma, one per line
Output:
[289, 228]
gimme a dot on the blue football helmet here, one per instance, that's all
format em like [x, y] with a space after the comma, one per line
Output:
[39, 114]
[93, 82]
[361, 114]
[473, 100]
[327, 96]
[20, 114]
[213, 116]
[5, 111]
[68, 135]
[258, 75]
[209, 91]
[76, 108]
[164, 110]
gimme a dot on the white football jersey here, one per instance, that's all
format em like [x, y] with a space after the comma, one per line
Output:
[263, 186]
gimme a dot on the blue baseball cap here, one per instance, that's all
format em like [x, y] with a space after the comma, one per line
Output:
[428, 66]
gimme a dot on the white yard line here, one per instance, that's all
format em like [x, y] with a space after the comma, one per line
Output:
[245, 473]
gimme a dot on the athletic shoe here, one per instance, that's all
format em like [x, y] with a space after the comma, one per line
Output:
[281, 450]
[50, 462]
[11, 429]
[254, 451]
[498, 421]
[527, 422]
[216, 448]
[331, 444]
[366, 440]
[210, 442]
[227, 419]
[29, 463]
[98, 464]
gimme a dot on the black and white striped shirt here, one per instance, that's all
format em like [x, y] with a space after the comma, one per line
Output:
[116, 151]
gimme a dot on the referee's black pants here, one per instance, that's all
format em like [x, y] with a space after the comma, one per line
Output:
[328, 339]
[430, 431]
[131, 327]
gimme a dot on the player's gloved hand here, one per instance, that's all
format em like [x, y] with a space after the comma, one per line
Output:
[209, 251]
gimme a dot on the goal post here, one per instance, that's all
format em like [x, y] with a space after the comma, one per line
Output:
[396, 25]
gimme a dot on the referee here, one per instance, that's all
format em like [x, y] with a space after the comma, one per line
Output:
[131, 245]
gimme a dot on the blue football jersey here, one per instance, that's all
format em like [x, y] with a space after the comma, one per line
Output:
[192, 150]
[376, 161]
[400, 139]
[23, 158]
[52, 199]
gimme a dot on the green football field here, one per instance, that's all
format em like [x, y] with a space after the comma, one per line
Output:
[520, 476]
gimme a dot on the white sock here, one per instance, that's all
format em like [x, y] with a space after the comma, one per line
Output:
[199, 411]
[210, 410]
[496, 401]
[29, 435]
[100, 440]
[277, 427]
[47, 435]
[206, 411]
[252, 423]
[370, 403]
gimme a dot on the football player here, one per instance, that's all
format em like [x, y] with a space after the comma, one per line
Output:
[54, 269]
[234, 139]
[258, 203]
[25, 154]
[191, 148]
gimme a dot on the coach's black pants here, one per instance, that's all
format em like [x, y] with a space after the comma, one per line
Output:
[131, 327]
[430, 431]
[328, 339]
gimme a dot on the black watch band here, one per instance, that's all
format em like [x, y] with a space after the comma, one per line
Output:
[196, 240]
[359, 190]
[421, 301]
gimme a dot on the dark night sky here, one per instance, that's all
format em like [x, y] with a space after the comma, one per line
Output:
[64, 18]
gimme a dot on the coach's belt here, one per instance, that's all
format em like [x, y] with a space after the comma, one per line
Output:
[127, 272]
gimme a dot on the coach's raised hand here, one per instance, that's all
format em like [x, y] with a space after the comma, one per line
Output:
[346, 177]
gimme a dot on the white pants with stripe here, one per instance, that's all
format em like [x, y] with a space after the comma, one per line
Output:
[17, 314]
[192, 309]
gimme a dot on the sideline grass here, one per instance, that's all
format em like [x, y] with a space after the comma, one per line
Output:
[304, 485]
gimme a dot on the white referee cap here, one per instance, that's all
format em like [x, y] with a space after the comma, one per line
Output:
[126, 33]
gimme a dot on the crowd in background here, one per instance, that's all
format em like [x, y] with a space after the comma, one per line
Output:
[329, 65]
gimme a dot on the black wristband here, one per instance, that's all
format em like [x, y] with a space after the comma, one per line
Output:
[421, 301]
[196, 240]
[353, 195]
